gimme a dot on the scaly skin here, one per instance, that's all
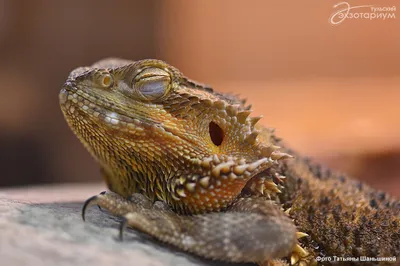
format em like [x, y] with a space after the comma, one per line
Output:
[190, 167]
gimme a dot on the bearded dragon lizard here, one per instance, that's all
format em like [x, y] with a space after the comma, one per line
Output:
[190, 167]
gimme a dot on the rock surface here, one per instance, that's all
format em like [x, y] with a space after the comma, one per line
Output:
[43, 226]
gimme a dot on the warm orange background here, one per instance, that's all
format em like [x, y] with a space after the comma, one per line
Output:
[332, 92]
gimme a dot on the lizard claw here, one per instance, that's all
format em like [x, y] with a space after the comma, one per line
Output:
[122, 227]
[92, 201]
[89, 202]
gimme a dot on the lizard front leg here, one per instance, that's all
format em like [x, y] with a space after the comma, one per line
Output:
[251, 230]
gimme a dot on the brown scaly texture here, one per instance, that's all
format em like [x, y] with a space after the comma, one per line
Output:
[190, 167]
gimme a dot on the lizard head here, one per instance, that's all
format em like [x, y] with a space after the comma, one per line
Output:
[156, 132]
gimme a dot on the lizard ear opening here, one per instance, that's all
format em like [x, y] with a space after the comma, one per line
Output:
[216, 133]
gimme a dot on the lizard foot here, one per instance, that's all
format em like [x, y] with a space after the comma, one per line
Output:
[116, 204]
[251, 229]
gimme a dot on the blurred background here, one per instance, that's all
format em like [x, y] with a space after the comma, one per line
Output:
[332, 92]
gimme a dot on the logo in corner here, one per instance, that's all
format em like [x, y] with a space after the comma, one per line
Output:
[345, 11]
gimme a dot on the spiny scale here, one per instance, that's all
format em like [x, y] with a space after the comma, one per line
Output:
[251, 138]
[254, 120]
[242, 116]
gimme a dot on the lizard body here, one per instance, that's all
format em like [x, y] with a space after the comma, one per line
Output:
[190, 167]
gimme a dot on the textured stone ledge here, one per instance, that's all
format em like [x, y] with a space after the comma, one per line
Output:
[43, 226]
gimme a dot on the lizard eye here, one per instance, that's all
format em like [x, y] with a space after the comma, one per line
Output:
[107, 80]
[152, 83]
[103, 78]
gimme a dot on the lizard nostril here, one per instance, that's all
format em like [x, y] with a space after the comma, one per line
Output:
[216, 133]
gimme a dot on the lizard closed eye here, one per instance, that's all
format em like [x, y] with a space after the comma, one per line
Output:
[192, 168]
